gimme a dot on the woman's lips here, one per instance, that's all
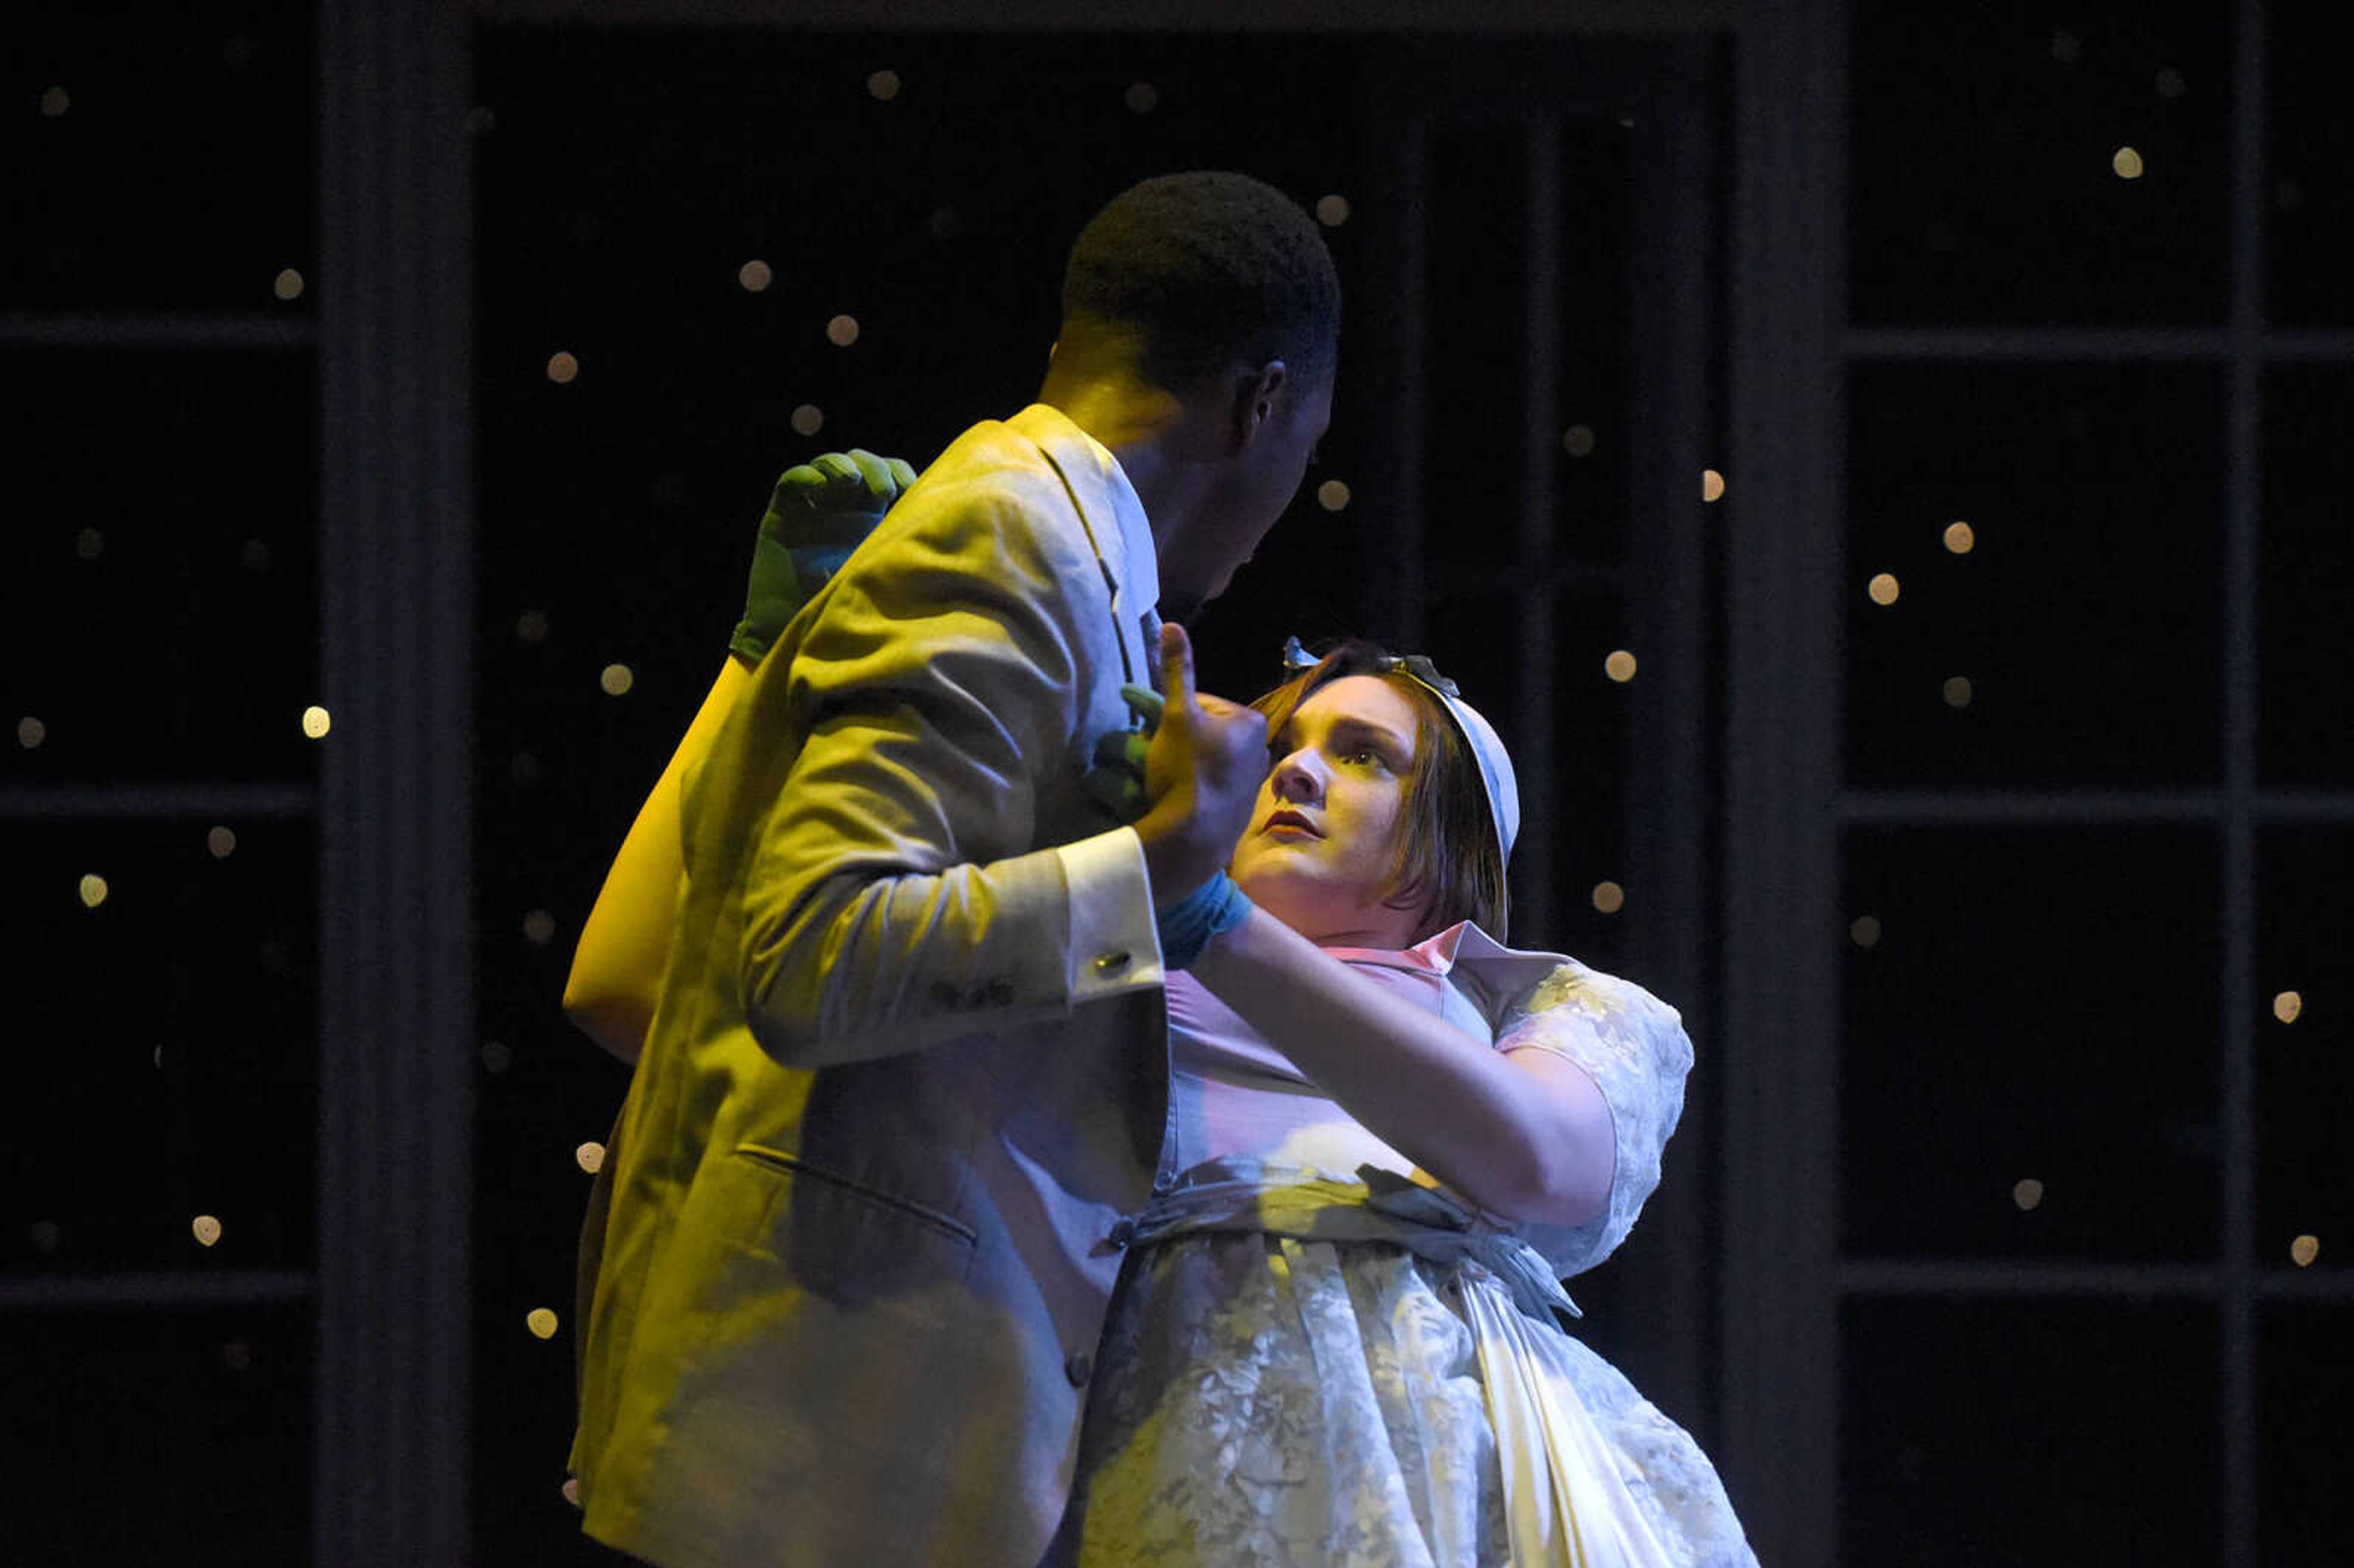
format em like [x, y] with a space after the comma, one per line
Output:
[1291, 819]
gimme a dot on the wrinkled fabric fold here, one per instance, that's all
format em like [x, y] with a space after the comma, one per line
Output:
[1566, 1504]
[1240, 1194]
[1545, 1438]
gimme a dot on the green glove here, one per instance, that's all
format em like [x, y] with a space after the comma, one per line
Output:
[819, 513]
[1116, 781]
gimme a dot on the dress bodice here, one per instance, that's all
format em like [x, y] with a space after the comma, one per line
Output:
[1234, 1095]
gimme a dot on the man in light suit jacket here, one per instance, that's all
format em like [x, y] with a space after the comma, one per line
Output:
[860, 1216]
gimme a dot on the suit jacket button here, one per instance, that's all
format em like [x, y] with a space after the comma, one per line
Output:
[1111, 963]
[1078, 1370]
[1122, 1232]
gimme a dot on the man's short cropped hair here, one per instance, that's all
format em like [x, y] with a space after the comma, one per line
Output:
[1212, 270]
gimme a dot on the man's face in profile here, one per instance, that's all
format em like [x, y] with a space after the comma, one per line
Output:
[1249, 496]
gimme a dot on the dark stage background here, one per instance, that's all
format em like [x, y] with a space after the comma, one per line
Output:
[1883, 471]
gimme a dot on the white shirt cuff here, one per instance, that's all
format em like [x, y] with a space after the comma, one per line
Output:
[1115, 942]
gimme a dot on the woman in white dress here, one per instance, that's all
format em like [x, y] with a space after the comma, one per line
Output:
[1339, 1337]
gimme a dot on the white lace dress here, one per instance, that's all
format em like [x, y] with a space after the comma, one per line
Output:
[1310, 1361]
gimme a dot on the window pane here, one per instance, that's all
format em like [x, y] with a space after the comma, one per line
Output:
[161, 566]
[165, 993]
[2307, 207]
[2305, 1046]
[2070, 636]
[2308, 578]
[1989, 155]
[169, 164]
[2306, 1386]
[2032, 1434]
[2028, 1068]
[184, 1437]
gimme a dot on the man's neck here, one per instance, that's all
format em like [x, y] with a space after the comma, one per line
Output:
[1149, 431]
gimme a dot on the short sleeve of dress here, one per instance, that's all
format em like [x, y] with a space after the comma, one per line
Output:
[1634, 1047]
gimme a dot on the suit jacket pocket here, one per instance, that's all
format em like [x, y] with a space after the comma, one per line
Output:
[851, 1241]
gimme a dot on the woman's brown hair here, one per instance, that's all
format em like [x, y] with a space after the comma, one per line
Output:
[1446, 862]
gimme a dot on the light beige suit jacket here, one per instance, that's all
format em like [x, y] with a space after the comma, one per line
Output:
[849, 1258]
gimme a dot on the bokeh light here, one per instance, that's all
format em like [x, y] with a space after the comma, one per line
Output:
[1610, 897]
[2304, 1250]
[316, 722]
[55, 101]
[31, 732]
[2027, 1194]
[1711, 485]
[1864, 930]
[1332, 495]
[808, 420]
[615, 680]
[1884, 588]
[2128, 163]
[1961, 539]
[590, 1157]
[288, 284]
[92, 890]
[222, 842]
[538, 927]
[1958, 690]
[754, 275]
[207, 1230]
[1619, 666]
[532, 627]
[1332, 211]
[563, 368]
[1141, 98]
[541, 1322]
[1578, 442]
[2288, 1006]
[883, 85]
[841, 331]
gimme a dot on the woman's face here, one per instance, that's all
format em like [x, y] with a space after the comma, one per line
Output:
[1323, 838]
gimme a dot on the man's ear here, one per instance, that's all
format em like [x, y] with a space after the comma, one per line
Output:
[1255, 394]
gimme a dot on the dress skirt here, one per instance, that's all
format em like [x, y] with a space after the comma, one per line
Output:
[1274, 1401]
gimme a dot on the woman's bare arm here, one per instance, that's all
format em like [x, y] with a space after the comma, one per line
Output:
[1523, 1134]
[617, 969]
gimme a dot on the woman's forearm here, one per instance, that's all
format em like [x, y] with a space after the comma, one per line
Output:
[617, 969]
[1522, 1134]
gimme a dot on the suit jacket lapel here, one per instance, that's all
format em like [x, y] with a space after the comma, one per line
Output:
[1115, 521]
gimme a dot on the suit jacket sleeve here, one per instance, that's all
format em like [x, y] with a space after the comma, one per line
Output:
[918, 877]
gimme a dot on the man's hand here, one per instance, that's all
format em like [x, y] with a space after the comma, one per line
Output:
[818, 514]
[1201, 776]
[1115, 780]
